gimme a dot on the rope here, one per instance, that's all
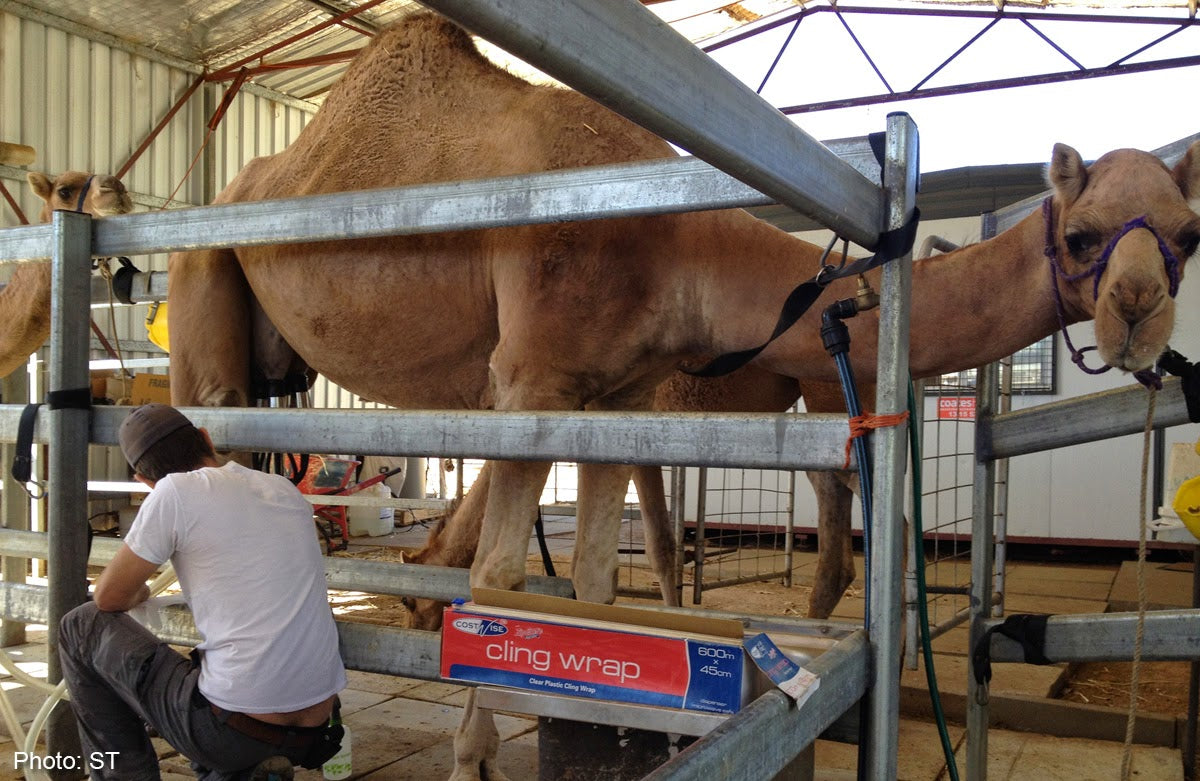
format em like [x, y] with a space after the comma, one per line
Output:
[1131, 715]
[118, 353]
[863, 424]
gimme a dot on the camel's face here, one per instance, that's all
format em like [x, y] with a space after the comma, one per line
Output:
[103, 196]
[1140, 262]
[424, 613]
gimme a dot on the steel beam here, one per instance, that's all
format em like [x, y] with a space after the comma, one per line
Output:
[762, 738]
[890, 458]
[376, 577]
[1170, 636]
[411, 653]
[623, 56]
[983, 504]
[1090, 418]
[67, 461]
[756, 441]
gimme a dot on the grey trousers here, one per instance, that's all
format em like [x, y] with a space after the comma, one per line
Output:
[121, 677]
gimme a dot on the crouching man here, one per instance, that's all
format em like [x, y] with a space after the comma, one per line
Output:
[263, 682]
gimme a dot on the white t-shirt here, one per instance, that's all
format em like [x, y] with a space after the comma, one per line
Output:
[245, 550]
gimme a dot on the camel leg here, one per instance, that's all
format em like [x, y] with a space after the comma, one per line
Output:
[835, 558]
[210, 325]
[508, 521]
[598, 530]
[656, 525]
[476, 743]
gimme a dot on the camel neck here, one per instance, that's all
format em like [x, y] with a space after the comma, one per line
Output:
[969, 307]
[982, 302]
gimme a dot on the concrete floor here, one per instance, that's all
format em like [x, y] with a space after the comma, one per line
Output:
[403, 729]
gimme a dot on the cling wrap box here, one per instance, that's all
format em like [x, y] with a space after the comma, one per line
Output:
[590, 658]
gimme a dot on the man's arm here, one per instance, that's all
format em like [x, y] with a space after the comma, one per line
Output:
[122, 584]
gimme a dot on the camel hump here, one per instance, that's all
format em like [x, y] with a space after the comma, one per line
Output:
[424, 43]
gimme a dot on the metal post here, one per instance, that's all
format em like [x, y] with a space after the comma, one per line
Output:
[1000, 514]
[890, 459]
[1193, 699]
[789, 538]
[14, 513]
[67, 520]
[701, 509]
[678, 524]
[912, 613]
[982, 506]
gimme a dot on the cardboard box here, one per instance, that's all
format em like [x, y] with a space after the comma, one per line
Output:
[149, 388]
[605, 652]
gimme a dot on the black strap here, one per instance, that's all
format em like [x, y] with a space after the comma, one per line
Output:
[1027, 629]
[22, 466]
[75, 398]
[72, 398]
[1174, 363]
[892, 244]
[540, 528]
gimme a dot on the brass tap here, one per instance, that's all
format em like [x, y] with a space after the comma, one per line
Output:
[866, 297]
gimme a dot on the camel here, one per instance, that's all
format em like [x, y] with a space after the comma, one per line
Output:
[484, 313]
[25, 300]
[453, 541]
[595, 315]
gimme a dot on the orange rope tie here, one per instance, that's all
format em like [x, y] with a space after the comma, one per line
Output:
[861, 424]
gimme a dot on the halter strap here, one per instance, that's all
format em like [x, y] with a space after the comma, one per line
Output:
[1146, 377]
[83, 193]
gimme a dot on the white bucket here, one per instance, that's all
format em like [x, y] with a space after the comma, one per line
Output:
[371, 520]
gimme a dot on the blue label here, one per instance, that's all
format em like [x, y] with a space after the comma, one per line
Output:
[715, 683]
[564, 686]
[773, 662]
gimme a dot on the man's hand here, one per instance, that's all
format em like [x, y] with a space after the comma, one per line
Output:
[122, 584]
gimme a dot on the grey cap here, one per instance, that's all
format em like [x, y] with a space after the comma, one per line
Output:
[145, 427]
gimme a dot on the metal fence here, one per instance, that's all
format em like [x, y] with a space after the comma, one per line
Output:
[646, 71]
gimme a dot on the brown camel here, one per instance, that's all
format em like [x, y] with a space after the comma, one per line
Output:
[25, 301]
[453, 541]
[596, 315]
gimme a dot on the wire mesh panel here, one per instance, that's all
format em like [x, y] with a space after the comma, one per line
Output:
[744, 528]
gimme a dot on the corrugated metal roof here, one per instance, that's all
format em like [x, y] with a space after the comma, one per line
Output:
[218, 34]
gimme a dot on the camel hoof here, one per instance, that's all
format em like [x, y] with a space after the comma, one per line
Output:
[486, 770]
[491, 772]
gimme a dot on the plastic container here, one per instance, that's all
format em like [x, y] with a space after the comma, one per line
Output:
[372, 520]
[338, 766]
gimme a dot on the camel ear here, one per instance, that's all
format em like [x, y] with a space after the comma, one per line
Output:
[40, 184]
[1067, 174]
[1187, 175]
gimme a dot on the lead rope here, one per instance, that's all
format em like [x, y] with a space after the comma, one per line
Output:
[1139, 637]
[118, 353]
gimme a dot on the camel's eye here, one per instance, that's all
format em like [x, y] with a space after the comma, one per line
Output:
[64, 193]
[1080, 242]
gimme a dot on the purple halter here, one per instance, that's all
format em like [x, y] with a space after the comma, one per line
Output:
[1146, 377]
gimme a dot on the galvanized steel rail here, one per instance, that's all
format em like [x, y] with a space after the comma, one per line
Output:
[760, 441]
[623, 56]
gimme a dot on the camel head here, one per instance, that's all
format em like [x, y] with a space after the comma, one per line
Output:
[103, 195]
[1123, 229]
[427, 613]
[25, 300]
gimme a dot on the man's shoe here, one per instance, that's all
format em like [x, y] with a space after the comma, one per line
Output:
[273, 769]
